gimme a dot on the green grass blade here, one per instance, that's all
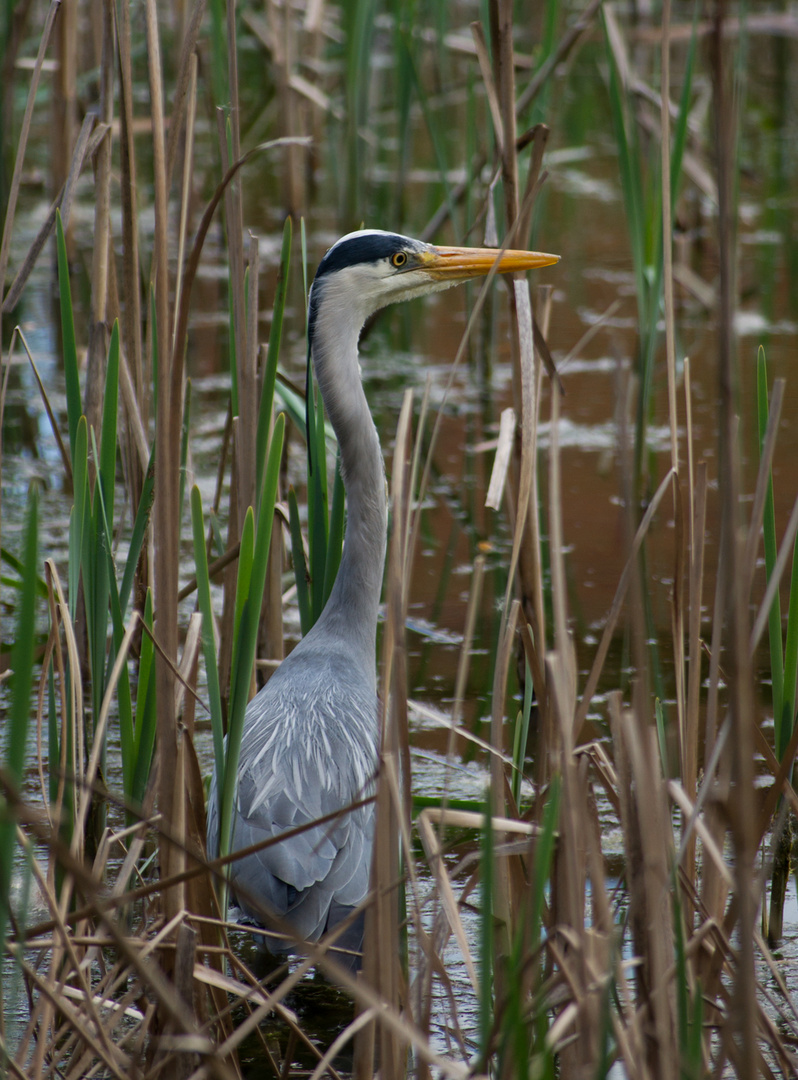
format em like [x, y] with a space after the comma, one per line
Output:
[53, 740]
[208, 640]
[18, 720]
[184, 437]
[68, 342]
[544, 853]
[124, 698]
[318, 500]
[335, 539]
[521, 735]
[146, 713]
[246, 556]
[253, 562]
[96, 556]
[79, 512]
[272, 356]
[631, 181]
[790, 684]
[300, 565]
[239, 680]
[22, 657]
[303, 247]
[662, 736]
[268, 499]
[771, 551]
[680, 128]
[108, 441]
[294, 405]
[231, 334]
[138, 533]
[486, 937]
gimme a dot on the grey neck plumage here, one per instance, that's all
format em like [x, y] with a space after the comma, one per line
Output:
[353, 604]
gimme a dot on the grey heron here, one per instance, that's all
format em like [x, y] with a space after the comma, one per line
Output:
[311, 735]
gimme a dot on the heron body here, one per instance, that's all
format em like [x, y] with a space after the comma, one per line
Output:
[311, 736]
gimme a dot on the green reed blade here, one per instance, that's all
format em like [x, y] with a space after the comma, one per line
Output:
[335, 539]
[79, 512]
[239, 679]
[790, 685]
[272, 356]
[521, 735]
[318, 521]
[544, 854]
[53, 741]
[96, 554]
[68, 343]
[22, 653]
[138, 533]
[154, 350]
[771, 551]
[11, 560]
[294, 406]
[662, 736]
[253, 563]
[18, 719]
[631, 181]
[681, 126]
[231, 336]
[486, 877]
[124, 696]
[108, 440]
[208, 639]
[245, 558]
[146, 712]
[303, 247]
[300, 565]
[184, 437]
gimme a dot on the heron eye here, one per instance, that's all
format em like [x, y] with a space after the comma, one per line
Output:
[399, 259]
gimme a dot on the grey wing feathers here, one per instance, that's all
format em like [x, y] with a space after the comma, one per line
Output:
[309, 749]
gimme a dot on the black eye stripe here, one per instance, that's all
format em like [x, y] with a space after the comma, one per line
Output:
[368, 247]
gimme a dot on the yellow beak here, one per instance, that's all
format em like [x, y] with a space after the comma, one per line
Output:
[447, 262]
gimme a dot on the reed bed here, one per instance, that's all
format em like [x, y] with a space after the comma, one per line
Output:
[117, 943]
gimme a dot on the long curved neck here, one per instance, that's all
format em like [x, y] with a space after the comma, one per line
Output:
[353, 603]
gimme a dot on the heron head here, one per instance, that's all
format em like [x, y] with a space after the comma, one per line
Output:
[370, 269]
